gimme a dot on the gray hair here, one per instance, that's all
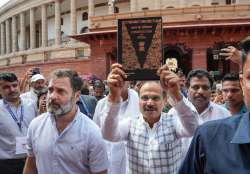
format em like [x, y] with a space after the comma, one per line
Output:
[75, 80]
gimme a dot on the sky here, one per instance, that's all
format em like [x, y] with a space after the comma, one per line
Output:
[2, 2]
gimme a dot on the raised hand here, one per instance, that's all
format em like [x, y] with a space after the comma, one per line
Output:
[115, 83]
[231, 53]
[170, 82]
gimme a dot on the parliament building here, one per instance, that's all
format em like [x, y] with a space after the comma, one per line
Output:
[82, 34]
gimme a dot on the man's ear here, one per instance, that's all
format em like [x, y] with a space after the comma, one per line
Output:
[241, 82]
[77, 95]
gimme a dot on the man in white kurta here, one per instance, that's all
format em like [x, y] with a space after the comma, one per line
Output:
[153, 138]
[117, 150]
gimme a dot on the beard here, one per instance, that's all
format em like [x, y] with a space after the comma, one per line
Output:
[40, 91]
[59, 110]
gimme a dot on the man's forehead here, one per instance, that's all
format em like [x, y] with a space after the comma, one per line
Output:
[8, 82]
[39, 81]
[231, 83]
[60, 82]
[151, 86]
[199, 79]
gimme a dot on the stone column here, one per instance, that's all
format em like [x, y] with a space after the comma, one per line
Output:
[7, 32]
[32, 29]
[133, 5]
[91, 6]
[22, 31]
[73, 18]
[14, 34]
[157, 4]
[57, 22]
[2, 39]
[111, 6]
[44, 26]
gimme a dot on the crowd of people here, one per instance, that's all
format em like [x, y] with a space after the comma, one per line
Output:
[179, 124]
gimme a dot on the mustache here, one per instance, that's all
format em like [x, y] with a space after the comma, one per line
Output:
[200, 96]
[149, 108]
[13, 93]
[52, 103]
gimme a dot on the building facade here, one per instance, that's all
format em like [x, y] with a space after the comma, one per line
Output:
[36, 32]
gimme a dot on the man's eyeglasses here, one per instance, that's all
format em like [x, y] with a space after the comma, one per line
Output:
[152, 97]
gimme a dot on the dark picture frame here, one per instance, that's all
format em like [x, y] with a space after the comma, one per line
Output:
[140, 47]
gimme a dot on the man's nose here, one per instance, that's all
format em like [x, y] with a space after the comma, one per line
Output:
[12, 88]
[150, 101]
[229, 94]
[200, 90]
[52, 96]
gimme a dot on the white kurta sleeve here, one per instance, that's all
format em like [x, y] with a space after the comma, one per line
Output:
[112, 129]
[186, 120]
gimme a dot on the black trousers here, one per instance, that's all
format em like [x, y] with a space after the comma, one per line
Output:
[12, 166]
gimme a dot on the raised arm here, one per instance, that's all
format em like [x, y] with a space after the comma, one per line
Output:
[232, 53]
[112, 130]
[185, 111]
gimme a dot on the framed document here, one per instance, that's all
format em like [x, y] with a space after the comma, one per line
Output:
[140, 47]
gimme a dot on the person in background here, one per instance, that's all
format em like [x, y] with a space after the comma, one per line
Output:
[233, 94]
[37, 85]
[218, 97]
[138, 85]
[199, 84]
[213, 92]
[87, 104]
[99, 90]
[230, 136]
[182, 77]
[41, 102]
[129, 109]
[85, 88]
[16, 114]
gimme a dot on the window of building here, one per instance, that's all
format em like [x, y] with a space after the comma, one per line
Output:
[170, 7]
[116, 10]
[85, 16]
[145, 8]
[61, 21]
[215, 3]
[228, 2]
[84, 30]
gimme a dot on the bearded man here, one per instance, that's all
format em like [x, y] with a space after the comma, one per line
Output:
[37, 86]
[64, 140]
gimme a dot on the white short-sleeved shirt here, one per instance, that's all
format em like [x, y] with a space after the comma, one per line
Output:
[78, 149]
[212, 112]
[9, 129]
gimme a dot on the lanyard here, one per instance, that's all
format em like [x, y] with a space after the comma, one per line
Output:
[85, 107]
[19, 123]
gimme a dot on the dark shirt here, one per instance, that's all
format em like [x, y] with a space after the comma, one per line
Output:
[87, 105]
[242, 110]
[220, 147]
